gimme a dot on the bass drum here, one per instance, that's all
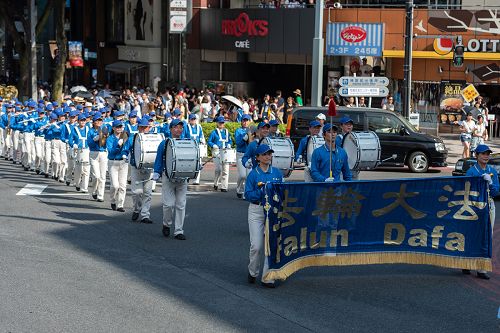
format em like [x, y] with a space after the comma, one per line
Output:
[228, 155]
[312, 143]
[144, 149]
[182, 159]
[203, 150]
[283, 155]
[363, 150]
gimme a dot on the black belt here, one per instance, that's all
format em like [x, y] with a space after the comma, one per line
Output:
[256, 203]
[115, 159]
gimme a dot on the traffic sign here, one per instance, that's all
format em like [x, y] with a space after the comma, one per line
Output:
[363, 91]
[364, 81]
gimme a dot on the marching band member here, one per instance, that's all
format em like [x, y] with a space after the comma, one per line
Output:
[7, 141]
[141, 182]
[241, 136]
[52, 134]
[40, 142]
[66, 137]
[131, 128]
[314, 129]
[14, 135]
[273, 129]
[117, 166]
[98, 158]
[2, 126]
[263, 173]
[173, 190]
[29, 138]
[194, 132]
[249, 159]
[346, 125]
[82, 162]
[329, 161]
[490, 175]
[220, 139]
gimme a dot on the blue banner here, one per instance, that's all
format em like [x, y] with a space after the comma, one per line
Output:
[355, 39]
[442, 221]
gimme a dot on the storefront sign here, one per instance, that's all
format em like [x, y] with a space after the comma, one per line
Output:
[444, 46]
[360, 81]
[258, 30]
[75, 54]
[469, 93]
[178, 16]
[451, 103]
[355, 39]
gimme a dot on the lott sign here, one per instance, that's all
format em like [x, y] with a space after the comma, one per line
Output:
[355, 39]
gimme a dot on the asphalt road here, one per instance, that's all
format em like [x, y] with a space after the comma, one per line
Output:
[70, 264]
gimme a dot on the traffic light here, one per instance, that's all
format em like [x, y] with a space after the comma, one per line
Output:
[458, 53]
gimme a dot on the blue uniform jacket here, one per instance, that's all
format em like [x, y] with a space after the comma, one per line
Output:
[215, 140]
[476, 170]
[302, 150]
[320, 164]
[66, 131]
[39, 124]
[94, 145]
[241, 145]
[254, 193]
[131, 129]
[159, 166]
[250, 153]
[80, 136]
[53, 132]
[115, 152]
[196, 133]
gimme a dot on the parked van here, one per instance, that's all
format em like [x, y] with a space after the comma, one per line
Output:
[400, 142]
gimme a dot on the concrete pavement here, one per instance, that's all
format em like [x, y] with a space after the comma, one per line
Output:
[455, 148]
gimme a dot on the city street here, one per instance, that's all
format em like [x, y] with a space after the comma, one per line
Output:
[71, 264]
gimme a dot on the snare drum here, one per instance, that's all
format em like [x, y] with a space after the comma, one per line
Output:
[182, 159]
[83, 156]
[313, 143]
[283, 155]
[144, 149]
[228, 155]
[203, 150]
[363, 150]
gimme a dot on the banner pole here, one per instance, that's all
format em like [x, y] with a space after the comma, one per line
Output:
[331, 173]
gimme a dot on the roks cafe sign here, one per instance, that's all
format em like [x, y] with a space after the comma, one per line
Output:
[242, 26]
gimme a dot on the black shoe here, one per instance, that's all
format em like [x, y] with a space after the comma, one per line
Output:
[268, 285]
[120, 210]
[483, 276]
[37, 172]
[239, 195]
[223, 190]
[46, 175]
[251, 279]
[100, 200]
[135, 216]
[67, 184]
[78, 189]
[129, 182]
[466, 271]
[165, 231]
[180, 237]
[26, 169]
[13, 162]
[216, 187]
[113, 206]
[147, 221]
[94, 196]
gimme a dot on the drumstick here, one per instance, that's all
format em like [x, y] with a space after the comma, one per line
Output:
[142, 181]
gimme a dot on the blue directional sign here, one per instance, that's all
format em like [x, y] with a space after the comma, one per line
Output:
[355, 39]
[364, 81]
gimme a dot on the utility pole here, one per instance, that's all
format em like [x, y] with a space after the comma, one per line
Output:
[317, 60]
[408, 58]
[32, 86]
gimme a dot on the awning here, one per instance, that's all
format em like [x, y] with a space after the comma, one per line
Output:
[124, 67]
[433, 55]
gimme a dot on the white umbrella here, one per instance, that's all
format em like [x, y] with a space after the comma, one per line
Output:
[233, 100]
[77, 88]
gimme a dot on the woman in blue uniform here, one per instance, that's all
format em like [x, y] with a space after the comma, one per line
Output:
[489, 174]
[254, 193]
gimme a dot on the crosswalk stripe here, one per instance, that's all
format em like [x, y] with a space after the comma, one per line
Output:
[32, 189]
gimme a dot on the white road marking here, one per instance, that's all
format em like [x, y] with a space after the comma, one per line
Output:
[213, 183]
[32, 189]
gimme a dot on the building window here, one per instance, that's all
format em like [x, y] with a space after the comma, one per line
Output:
[115, 21]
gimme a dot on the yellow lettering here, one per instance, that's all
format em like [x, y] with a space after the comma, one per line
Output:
[420, 238]
[290, 245]
[456, 242]
[303, 239]
[400, 233]
[344, 237]
[437, 233]
[278, 249]
[313, 243]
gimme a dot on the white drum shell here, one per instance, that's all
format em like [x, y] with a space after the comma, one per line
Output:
[363, 150]
[228, 155]
[145, 148]
[313, 143]
[283, 155]
[203, 150]
[182, 159]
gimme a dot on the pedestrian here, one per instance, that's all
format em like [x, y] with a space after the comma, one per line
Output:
[254, 193]
[490, 175]
[298, 97]
[466, 128]
[479, 134]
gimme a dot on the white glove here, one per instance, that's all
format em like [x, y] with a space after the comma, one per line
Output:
[248, 164]
[156, 176]
[124, 157]
[245, 138]
[330, 179]
[228, 146]
[75, 146]
[300, 160]
[120, 142]
[487, 177]
[96, 138]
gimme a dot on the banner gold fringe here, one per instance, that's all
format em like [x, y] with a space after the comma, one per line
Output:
[378, 258]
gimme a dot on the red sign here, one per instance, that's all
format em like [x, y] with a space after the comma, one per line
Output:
[353, 34]
[244, 25]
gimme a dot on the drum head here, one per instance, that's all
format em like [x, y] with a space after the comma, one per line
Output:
[351, 147]
[312, 143]
[136, 150]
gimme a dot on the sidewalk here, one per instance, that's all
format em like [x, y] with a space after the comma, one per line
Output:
[455, 148]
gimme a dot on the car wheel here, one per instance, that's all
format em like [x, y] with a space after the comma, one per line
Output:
[418, 162]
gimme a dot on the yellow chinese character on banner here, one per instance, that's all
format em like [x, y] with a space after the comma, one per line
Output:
[400, 201]
[343, 204]
[465, 204]
[285, 215]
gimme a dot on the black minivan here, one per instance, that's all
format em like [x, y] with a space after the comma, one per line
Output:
[401, 144]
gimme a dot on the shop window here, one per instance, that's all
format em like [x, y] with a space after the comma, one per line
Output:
[115, 21]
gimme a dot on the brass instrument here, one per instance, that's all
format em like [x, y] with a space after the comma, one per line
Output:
[8, 92]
